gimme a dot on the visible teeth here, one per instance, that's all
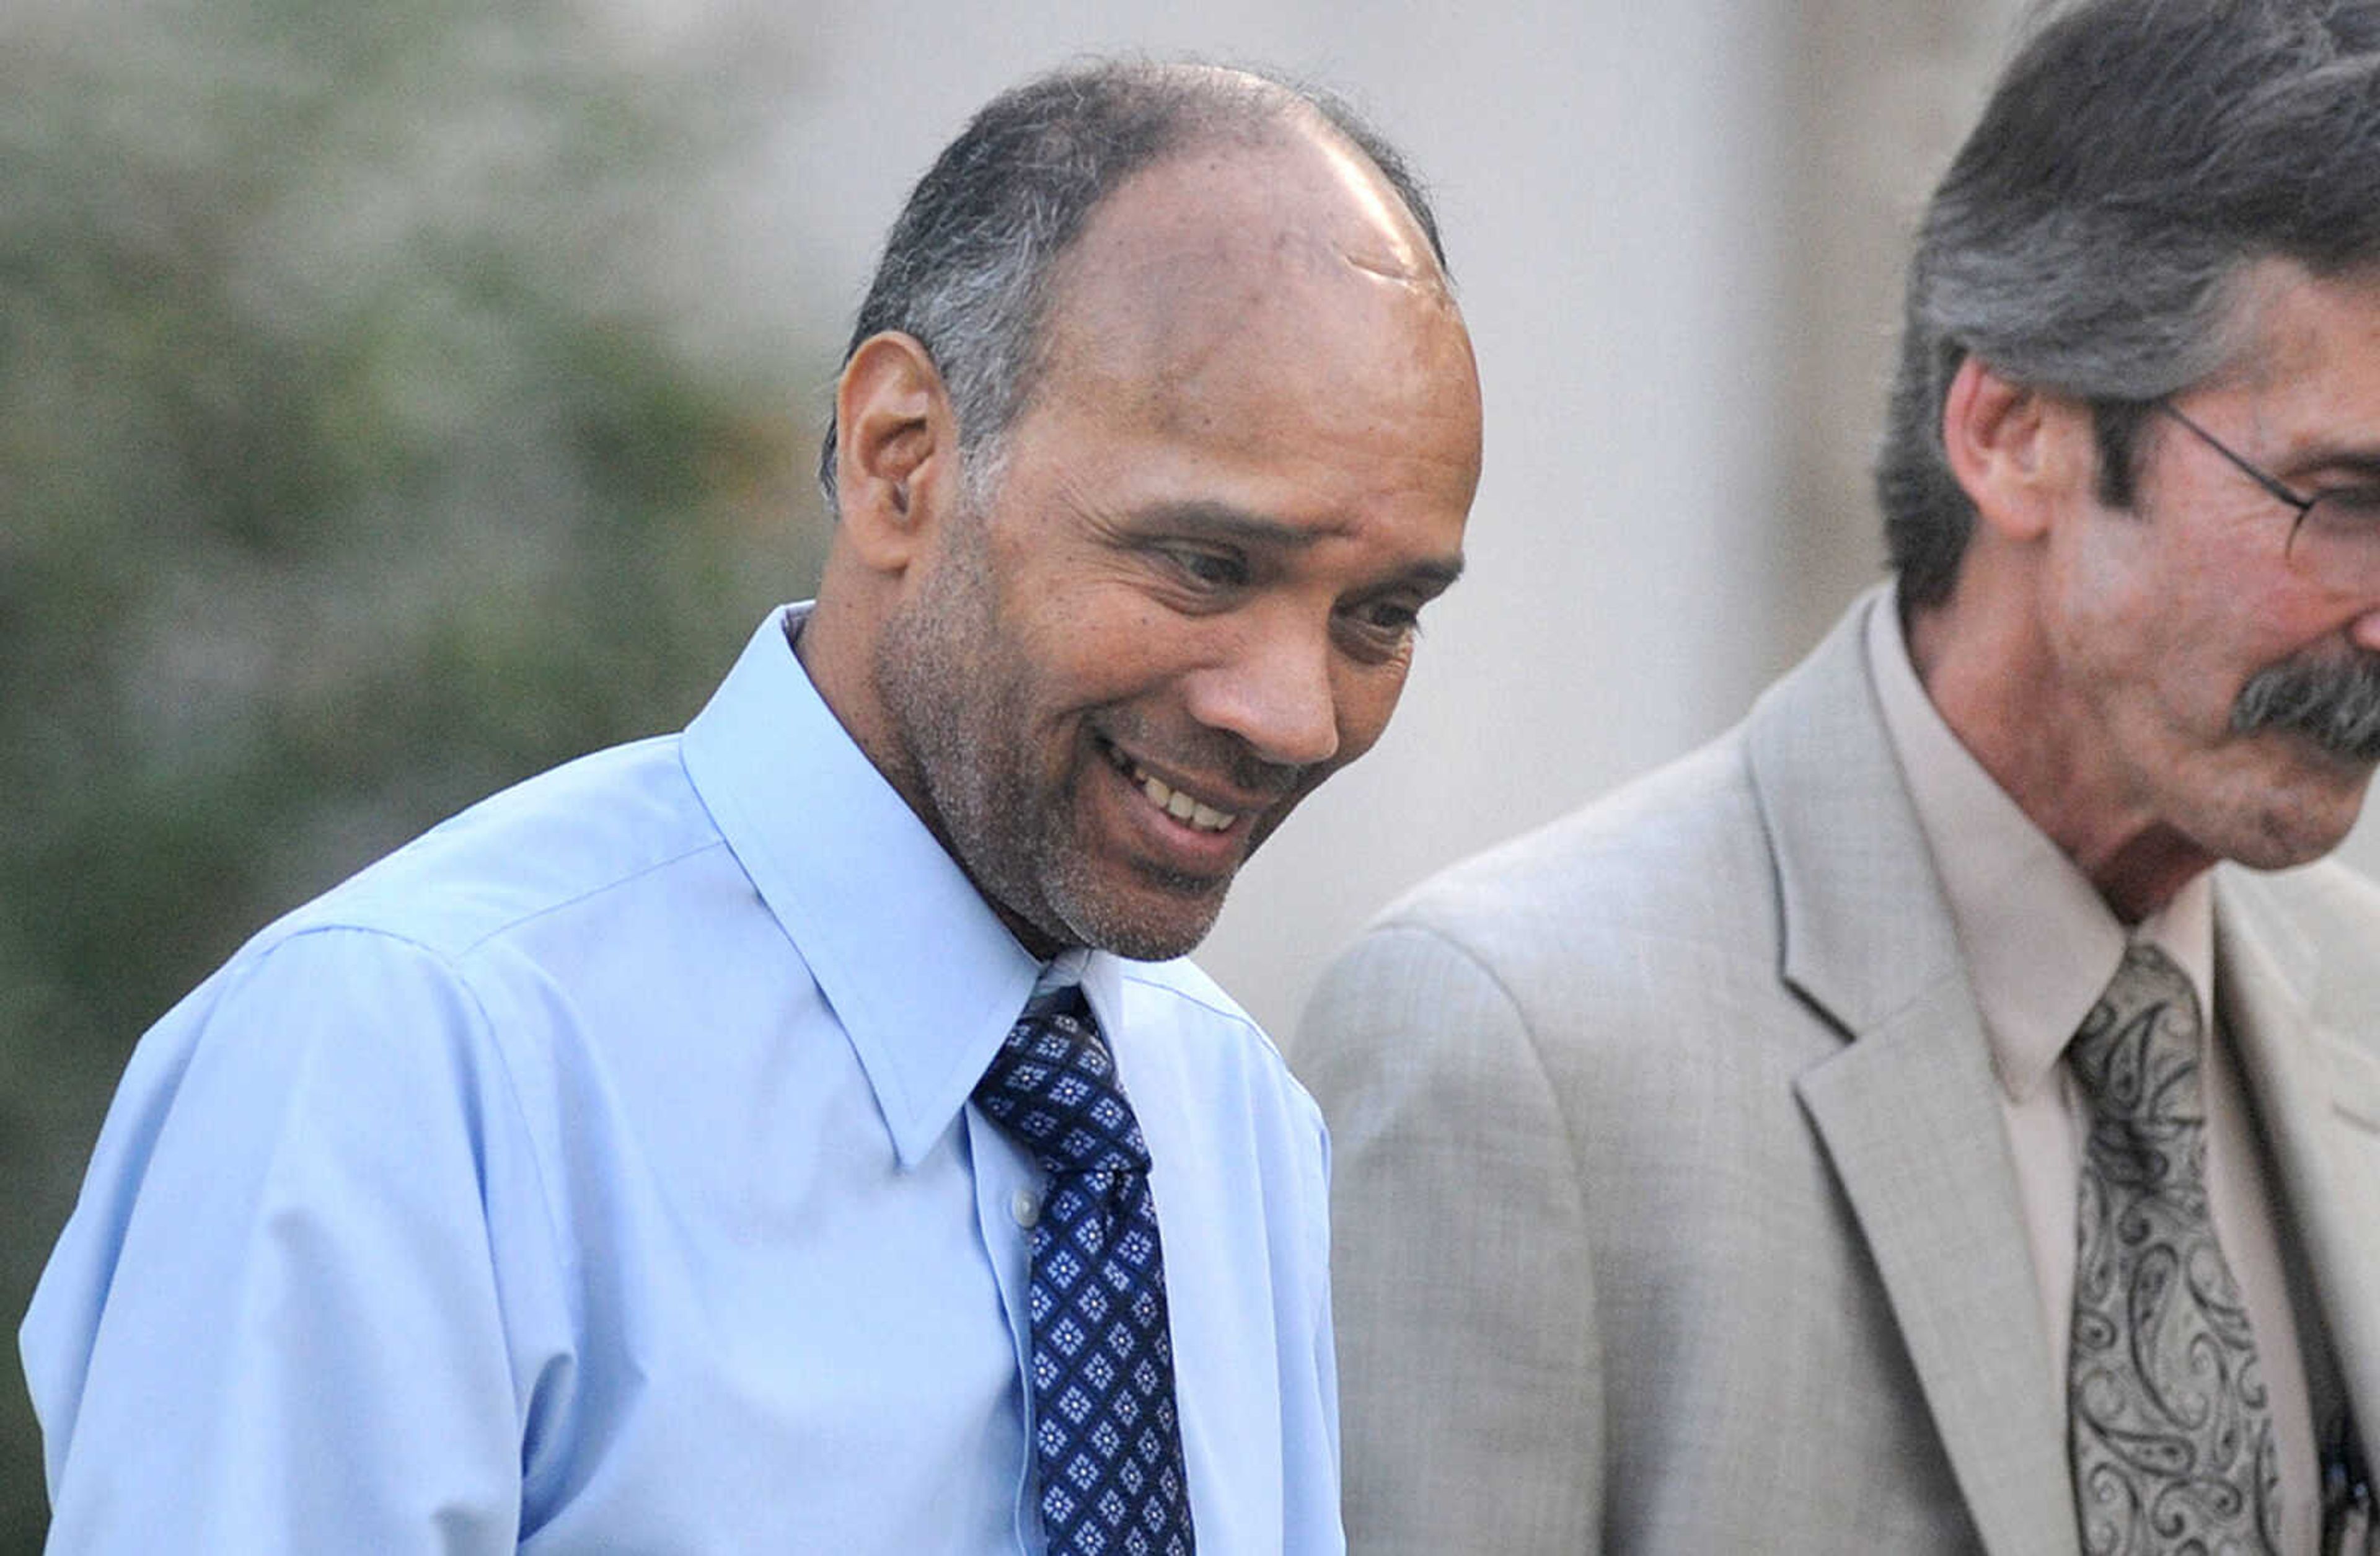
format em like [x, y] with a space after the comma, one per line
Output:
[1180, 806]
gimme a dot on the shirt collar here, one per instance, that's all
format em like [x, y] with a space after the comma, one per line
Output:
[1101, 976]
[2040, 943]
[922, 974]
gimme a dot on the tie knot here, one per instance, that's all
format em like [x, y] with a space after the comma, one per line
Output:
[1052, 1088]
[2137, 1053]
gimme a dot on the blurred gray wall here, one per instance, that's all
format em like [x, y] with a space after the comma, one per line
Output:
[1677, 232]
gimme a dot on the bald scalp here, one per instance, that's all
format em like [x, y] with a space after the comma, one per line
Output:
[969, 269]
[1221, 242]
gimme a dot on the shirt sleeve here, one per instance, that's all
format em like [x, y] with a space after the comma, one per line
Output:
[1313, 1521]
[307, 1297]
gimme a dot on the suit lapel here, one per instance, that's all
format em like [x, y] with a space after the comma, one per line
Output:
[1907, 1111]
[1907, 1116]
[2318, 1103]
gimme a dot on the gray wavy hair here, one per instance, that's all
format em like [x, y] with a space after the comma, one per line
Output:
[2135, 158]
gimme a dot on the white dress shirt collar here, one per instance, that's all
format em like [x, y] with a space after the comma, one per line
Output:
[919, 970]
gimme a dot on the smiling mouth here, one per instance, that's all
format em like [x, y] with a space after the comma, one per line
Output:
[1192, 813]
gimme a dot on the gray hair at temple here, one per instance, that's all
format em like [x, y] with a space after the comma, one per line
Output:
[968, 268]
[2135, 159]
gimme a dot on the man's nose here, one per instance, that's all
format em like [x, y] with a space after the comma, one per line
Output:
[2365, 630]
[1273, 690]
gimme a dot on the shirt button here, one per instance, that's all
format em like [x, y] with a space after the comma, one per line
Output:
[1025, 1207]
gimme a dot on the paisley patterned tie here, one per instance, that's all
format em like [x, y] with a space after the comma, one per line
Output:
[1106, 1436]
[2170, 1437]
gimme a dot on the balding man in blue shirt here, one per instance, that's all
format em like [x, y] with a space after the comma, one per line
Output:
[601, 1171]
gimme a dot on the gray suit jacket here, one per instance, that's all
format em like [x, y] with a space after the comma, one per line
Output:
[1674, 1210]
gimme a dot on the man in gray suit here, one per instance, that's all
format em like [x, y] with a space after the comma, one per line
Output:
[1715, 1171]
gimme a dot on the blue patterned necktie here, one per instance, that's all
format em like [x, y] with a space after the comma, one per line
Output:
[1105, 1434]
[2170, 1430]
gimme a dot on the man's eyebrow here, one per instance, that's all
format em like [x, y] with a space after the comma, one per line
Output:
[1438, 574]
[1221, 521]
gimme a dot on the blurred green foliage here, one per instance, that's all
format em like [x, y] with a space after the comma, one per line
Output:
[350, 468]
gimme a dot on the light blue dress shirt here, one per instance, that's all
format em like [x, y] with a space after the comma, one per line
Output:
[597, 1173]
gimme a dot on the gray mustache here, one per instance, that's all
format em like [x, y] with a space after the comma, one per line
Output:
[2334, 702]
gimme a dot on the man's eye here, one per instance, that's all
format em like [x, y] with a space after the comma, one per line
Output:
[2346, 507]
[1210, 569]
[1382, 627]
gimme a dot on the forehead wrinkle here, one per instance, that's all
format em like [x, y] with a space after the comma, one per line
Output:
[2277, 340]
[1402, 259]
[2257, 346]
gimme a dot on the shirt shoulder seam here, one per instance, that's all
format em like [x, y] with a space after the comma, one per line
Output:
[465, 984]
[612, 884]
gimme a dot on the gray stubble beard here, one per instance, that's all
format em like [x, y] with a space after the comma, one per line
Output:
[981, 814]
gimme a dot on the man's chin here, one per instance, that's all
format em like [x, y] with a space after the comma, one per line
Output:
[1154, 916]
[2303, 827]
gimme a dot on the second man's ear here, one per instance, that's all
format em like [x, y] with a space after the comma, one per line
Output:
[2020, 453]
[896, 449]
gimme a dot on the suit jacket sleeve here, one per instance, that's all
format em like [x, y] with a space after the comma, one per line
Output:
[1470, 1374]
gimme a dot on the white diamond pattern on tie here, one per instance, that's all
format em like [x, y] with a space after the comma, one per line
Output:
[1107, 1442]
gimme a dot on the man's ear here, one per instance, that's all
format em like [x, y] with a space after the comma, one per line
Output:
[897, 450]
[2020, 453]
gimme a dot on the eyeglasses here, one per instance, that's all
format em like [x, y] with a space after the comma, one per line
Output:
[2337, 535]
